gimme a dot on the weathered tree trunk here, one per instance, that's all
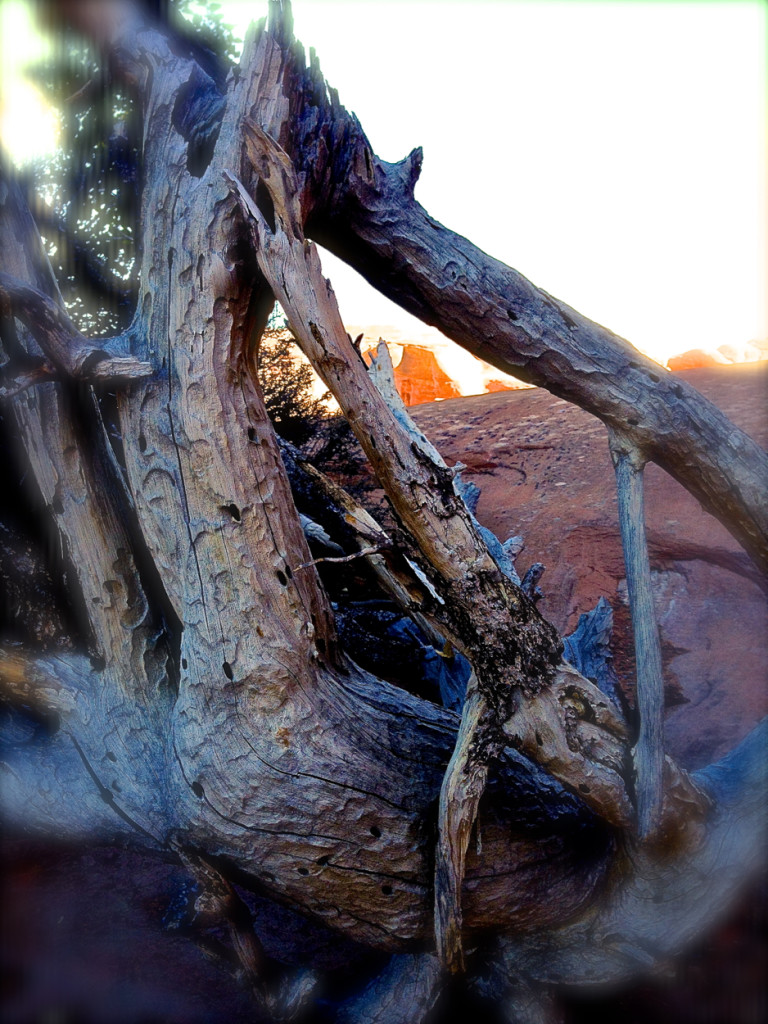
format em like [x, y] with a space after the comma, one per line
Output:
[214, 712]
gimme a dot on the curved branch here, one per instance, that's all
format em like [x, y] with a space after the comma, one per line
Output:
[363, 210]
[60, 340]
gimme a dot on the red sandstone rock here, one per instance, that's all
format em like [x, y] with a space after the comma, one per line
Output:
[696, 358]
[420, 378]
[499, 385]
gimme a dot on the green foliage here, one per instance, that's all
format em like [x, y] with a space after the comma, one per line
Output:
[287, 383]
[298, 413]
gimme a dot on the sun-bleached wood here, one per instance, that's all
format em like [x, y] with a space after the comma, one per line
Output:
[211, 711]
[648, 752]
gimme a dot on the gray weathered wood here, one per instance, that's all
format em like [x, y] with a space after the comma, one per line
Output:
[648, 752]
[211, 708]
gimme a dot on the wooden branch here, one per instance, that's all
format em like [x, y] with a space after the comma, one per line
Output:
[575, 732]
[338, 559]
[80, 484]
[381, 371]
[114, 735]
[512, 649]
[494, 312]
[395, 578]
[648, 753]
[65, 347]
[44, 684]
[21, 382]
[280, 998]
[463, 786]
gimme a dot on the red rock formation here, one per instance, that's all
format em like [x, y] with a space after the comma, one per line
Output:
[696, 358]
[420, 378]
[500, 385]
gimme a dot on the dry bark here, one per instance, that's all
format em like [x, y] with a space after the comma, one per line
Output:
[212, 710]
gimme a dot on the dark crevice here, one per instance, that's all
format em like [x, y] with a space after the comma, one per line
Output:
[197, 116]
[233, 510]
[266, 206]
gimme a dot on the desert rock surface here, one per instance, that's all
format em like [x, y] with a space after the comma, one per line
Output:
[545, 472]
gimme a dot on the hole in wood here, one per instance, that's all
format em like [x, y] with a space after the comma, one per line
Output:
[265, 204]
[387, 890]
[322, 861]
[251, 434]
[282, 578]
[233, 510]
[183, 662]
[539, 740]
[198, 790]
[303, 871]
[583, 788]
[512, 314]
[375, 831]
[142, 443]
[228, 670]
[111, 756]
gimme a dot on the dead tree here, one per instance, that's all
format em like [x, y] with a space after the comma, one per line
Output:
[212, 711]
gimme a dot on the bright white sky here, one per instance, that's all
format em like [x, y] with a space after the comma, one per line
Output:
[614, 152]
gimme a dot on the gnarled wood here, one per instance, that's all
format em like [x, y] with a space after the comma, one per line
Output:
[211, 708]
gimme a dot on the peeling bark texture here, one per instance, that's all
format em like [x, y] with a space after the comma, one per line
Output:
[207, 707]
